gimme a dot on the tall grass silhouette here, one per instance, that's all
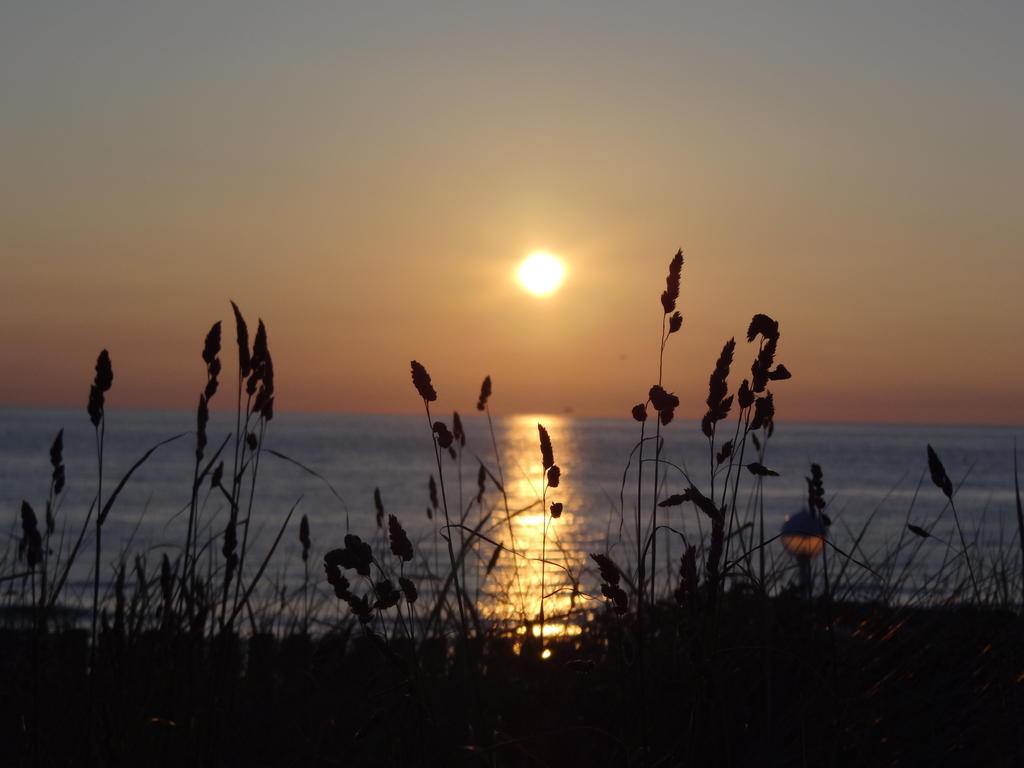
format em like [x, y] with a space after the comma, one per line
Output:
[731, 653]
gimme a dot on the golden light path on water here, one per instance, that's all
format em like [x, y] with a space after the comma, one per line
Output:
[513, 589]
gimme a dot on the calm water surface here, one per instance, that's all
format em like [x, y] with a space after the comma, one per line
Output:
[875, 476]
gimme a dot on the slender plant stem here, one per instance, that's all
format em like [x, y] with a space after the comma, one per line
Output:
[464, 627]
[305, 595]
[448, 531]
[543, 555]
[99, 432]
[252, 496]
[760, 501]
[508, 514]
[657, 466]
[189, 545]
[743, 419]
[967, 556]
[641, 571]
[1020, 521]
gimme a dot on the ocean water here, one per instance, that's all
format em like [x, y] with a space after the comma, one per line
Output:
[875, 477]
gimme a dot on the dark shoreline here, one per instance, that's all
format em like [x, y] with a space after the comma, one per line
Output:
[886, 686]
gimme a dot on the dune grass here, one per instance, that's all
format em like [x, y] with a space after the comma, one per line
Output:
[717, 656]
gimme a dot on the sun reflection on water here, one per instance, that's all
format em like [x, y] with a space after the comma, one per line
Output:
[512, 591]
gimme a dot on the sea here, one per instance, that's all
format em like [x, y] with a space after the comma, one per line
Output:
[326, 468]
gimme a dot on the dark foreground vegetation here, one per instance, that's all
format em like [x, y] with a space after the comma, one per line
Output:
[202, 659]
[916, 687]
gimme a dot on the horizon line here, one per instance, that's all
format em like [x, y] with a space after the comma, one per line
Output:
[520, 414]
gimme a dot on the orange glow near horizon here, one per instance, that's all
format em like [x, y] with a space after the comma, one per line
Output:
[373, 198]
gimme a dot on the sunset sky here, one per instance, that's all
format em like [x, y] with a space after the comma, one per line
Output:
[366, 178]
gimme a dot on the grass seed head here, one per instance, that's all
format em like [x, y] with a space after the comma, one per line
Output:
[918, 531]
[705, 505]
[356, 555]
[938, 472]
[304, 539]
[615, 593]
[379, 506]
[31, 545]
[493, 561]
[485, 393]
[724, 453]
[764, 412]
[675, 322]
[457, 431]
[260, 350]
[408, 589]
[104, 372]
[444, 437]
[745, 395]
[57, 450]
[481, 480]
[360, 607]
[387, 595]
[261, 379]
[337, 580]
[242, 336]
[202, 418]
[101, 383]
[815, 491]
[95, 406]
[760, 371]
[762, 325]
[211, 350]
[211, 387]
[211, 347]
[675, 499]
[547, 454]
[610, 573]
[400, 544]
[671, 292]
[57, 462]
[421, 380]
[665, 403]
[718, 403]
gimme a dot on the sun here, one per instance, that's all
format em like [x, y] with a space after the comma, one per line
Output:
[541, 273]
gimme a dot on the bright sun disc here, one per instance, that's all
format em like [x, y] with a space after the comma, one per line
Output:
[541, 273]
